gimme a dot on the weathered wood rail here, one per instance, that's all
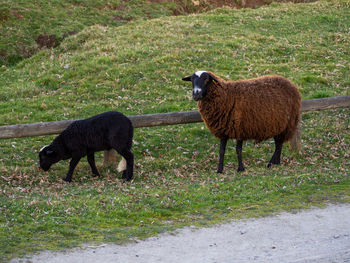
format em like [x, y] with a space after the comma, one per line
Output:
[138, 121]
[150, 120]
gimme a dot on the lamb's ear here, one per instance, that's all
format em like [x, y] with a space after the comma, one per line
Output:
[187, 78]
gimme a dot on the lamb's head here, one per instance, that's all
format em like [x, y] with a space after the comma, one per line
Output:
[201, 81]
[48, 156]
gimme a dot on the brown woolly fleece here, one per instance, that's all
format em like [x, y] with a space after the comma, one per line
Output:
[257, 109]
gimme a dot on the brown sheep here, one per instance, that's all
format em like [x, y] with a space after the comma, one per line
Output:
[257, 109]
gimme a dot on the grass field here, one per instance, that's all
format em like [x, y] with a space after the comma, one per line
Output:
[22, 22]
[137, 68]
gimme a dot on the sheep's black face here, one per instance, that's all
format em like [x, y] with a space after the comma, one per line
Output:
[48, 157]
[200, 81]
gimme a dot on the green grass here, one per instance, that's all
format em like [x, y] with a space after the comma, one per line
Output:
[21, 22]
[137, 68]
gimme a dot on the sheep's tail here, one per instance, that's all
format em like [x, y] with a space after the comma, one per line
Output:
[121, 165]
[292, 127]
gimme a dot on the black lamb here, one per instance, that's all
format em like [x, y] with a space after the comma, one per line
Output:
[106, 131]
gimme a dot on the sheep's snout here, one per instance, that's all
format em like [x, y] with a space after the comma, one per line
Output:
[44, 167]
[196, 97]
[44, 161]
[197, 93]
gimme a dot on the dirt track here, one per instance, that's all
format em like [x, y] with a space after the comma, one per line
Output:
[316, 235]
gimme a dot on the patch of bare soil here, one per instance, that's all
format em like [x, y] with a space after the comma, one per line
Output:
[210, 4]
[7, 14]
[48, 41]
[239, 4]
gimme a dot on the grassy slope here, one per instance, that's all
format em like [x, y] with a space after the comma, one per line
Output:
[102, 62]
[21, 22]
[137, 69]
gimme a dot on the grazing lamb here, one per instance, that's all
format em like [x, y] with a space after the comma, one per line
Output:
[257, 109]
[109, 130]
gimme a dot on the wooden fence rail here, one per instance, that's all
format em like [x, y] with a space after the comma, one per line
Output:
[150, 120]
[138, 121]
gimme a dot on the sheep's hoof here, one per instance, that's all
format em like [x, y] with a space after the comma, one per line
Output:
[240, 169]
[96, 175]
[126, 176]
[269, 165]
[219, 171]
[127, 179]
[68, 180]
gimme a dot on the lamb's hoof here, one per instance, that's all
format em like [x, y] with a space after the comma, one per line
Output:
[126, 176]
[96, 175]
[269, 165]
[240, 169]
[68, 180]
[127, 179]
[219, 171]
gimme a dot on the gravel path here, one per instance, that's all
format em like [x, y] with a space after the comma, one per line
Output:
[316, 235]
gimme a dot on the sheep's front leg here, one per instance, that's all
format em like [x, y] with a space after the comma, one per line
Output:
[239, 155]
[73, 163]
[223, 143]
[91, 160]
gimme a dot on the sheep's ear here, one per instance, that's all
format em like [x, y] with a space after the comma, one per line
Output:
[187, 78]
[213, 77]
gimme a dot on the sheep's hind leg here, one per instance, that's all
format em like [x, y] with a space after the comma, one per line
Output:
[129, 157]
[223, 143]
[73, 163]
[91, 160]
[276, 157]
[239, 146]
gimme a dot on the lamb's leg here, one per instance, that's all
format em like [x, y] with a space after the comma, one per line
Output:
[129, 157]
[223, 143]
[276, 157]
[239, 155]
[91, 160]
[73, 163]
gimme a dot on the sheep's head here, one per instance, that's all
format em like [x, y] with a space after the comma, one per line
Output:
[48, 156]
[201, 81]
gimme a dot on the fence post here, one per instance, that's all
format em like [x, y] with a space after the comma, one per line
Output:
[110, 157]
